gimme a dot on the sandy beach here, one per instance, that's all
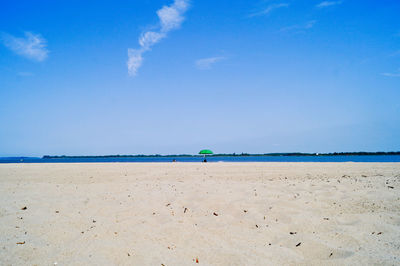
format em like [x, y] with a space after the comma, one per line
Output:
[210, 214]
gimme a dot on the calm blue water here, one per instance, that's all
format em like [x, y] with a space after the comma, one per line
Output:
[352, 158]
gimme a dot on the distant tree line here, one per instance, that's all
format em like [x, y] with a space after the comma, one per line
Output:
[225, 154]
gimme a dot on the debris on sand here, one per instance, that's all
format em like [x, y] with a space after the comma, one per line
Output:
[20, 243]
[216, 214]
[298, 244]
[391, 187]
[292, 233]
[184, 211]
[24, 208]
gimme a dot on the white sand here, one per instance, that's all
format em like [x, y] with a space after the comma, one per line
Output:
[163, 213]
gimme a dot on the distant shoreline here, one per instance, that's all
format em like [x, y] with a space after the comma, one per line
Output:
[222, 154]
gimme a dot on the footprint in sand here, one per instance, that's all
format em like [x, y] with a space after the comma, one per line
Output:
[317, 250]
[347, 221]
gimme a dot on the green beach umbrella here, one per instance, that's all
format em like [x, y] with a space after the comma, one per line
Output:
[205, 152]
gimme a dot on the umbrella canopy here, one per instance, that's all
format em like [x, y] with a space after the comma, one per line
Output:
[205, 152]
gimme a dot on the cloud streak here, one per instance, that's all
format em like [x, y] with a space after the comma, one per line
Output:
[25, 74]
[268, 10]
[300, 27]
[396, 53]
[206, 63]
[170, 18]
[328, 3]
[32, 46]
[392, 75]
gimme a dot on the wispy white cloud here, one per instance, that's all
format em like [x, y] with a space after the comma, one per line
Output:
[300, 27]
[392, 75]
[170, 18]
[25, 74]
[268, 10]
[135, 60]
[206, 63]
[396, 53]
[32, 46]
[328, 3]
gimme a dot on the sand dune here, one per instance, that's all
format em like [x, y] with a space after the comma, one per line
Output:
[210, 214]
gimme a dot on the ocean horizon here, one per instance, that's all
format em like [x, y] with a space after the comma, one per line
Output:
[238, 158]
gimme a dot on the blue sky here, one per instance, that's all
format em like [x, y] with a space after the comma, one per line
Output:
[165, 76]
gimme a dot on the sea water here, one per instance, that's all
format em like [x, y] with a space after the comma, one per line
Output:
[337, 158]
